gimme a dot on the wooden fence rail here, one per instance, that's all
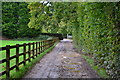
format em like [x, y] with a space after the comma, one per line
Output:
[33, 52]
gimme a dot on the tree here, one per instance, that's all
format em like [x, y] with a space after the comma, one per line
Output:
[15, 18]
[52, 17]
[9, 19]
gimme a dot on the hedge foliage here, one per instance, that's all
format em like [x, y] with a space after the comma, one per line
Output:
[98, 33]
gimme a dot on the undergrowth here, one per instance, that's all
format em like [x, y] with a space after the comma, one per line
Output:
[100, 71]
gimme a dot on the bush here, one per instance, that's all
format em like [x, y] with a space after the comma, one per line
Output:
[98, 34]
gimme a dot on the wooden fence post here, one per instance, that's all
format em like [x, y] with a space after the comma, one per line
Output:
[39, 47]
[46, 44]
[24, 54]
[36, 49]
[17, 57]
[7, 61]
[33, 50]
[50, 43]
[43, 46]
[29, 52]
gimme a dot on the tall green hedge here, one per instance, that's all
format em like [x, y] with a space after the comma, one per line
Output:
[99, 34]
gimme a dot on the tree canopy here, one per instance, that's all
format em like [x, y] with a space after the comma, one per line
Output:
[15, 18]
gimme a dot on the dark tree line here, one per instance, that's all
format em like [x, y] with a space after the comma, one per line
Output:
[15, 18]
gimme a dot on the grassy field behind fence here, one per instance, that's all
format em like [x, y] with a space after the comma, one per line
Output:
[12, 52]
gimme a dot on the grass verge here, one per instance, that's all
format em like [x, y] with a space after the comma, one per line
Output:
[23, 70]
[100, 71]
[13, 42]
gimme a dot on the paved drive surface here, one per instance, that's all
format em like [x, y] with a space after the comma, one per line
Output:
[62, 62]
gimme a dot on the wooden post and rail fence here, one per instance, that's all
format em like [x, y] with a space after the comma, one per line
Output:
[34, 49]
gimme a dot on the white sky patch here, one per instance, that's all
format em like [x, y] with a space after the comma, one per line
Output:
[45, 2]
[50, 11]
[64, 57]
[48, 4]
[41, 1]
[44, 12]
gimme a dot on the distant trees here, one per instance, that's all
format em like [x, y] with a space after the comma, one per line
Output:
[15, 18]
[9, 19]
